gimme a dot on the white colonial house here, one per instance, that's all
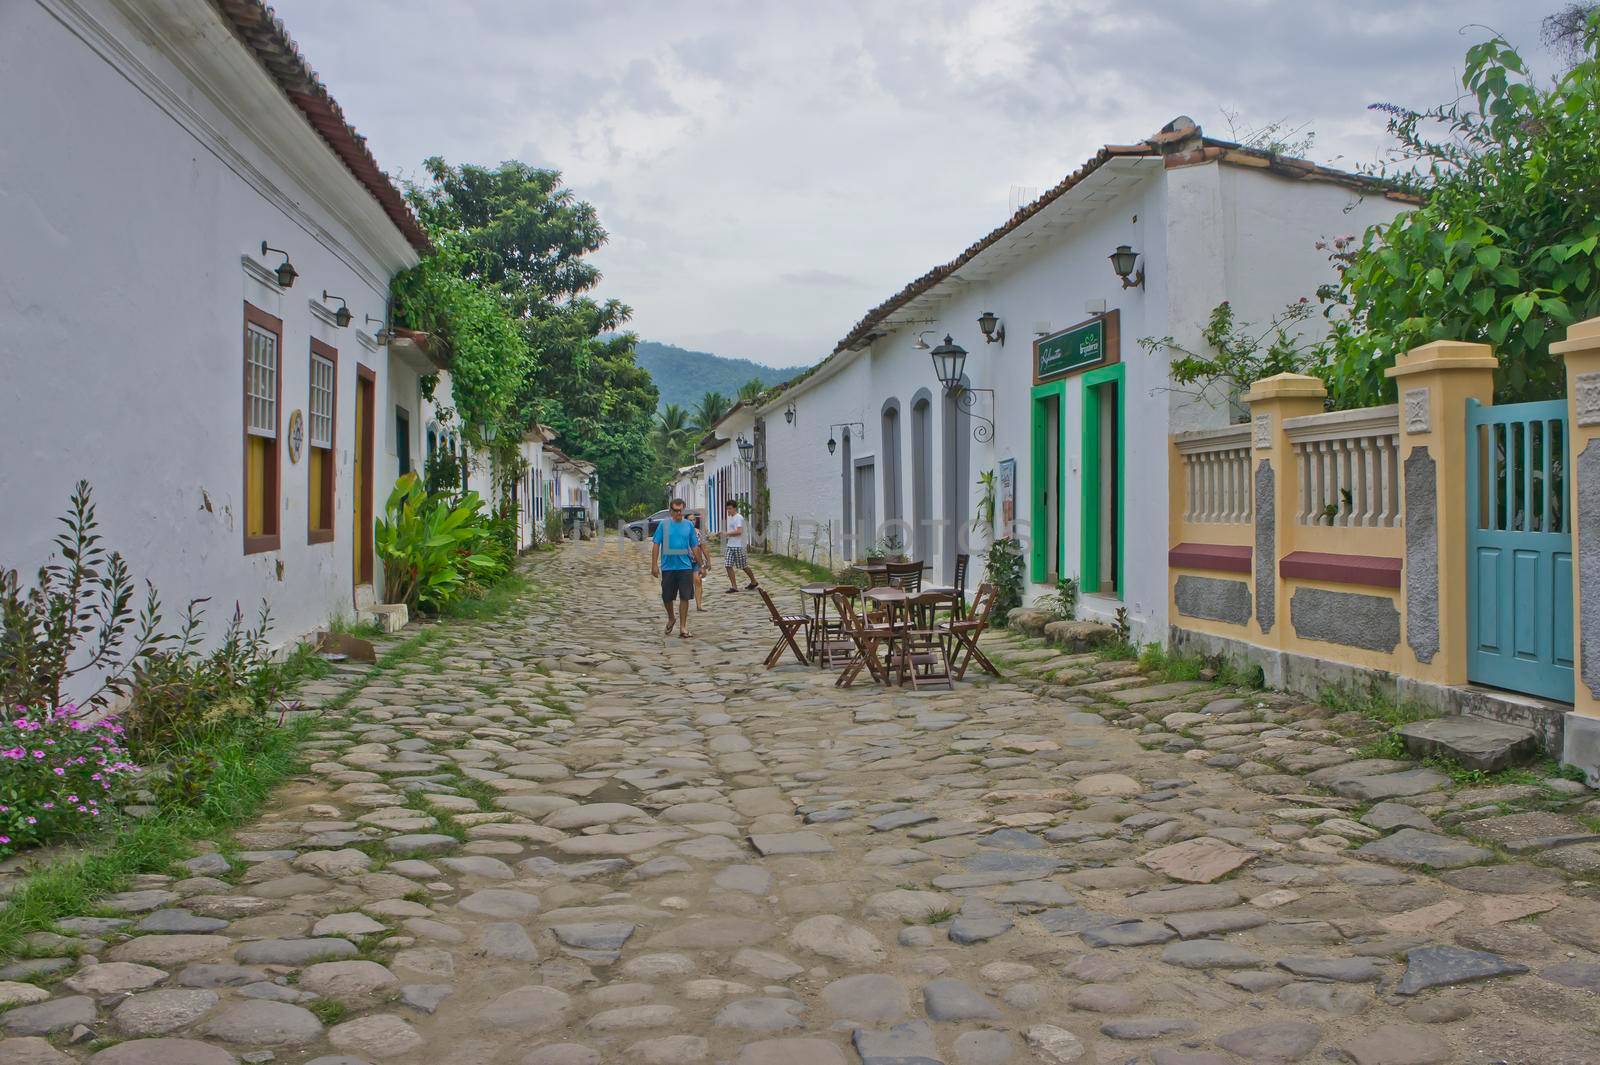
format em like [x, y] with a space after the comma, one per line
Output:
[1061, 404]
[728, 455]
[193, 315]
[690, 486]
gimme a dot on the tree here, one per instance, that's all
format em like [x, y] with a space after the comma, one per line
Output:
[524, 235]
[1505, 248]
[751, 390]
[1563, 32]
[488, 354]
[713, 407]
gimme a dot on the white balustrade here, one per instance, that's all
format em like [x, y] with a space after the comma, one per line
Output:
[1349, 467]
[1216, 474]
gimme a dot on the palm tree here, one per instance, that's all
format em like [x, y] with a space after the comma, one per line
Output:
[712, 407]
[672, 434]
[751, 390]
[672, 422]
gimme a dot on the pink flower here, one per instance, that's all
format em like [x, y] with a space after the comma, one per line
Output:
[5, 839]
[32, 820]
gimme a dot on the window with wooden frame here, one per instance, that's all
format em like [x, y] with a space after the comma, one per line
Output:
[322, 407]
[263, 391]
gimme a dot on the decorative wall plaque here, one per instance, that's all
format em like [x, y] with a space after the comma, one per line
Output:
[1263, 432]
[1587, 396]
[296, 434]
[1417, 410]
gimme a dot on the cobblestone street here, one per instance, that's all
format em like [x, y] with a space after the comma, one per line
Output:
[557, 838]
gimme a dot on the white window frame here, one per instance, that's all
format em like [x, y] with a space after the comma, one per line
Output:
[263, 362]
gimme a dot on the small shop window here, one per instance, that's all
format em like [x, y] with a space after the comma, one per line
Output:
[402, 439]
[323, 407]
[263, 341]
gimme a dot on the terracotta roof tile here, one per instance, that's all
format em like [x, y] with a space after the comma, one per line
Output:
[262, 32]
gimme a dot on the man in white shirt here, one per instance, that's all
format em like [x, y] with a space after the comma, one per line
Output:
[733, 553]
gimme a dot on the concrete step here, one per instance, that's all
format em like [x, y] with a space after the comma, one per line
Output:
[1475, 742]
[392, 617]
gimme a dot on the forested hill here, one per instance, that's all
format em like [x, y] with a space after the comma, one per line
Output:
[683, 376]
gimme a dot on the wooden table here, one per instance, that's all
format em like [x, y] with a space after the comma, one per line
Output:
[818, 643]
[901, 607]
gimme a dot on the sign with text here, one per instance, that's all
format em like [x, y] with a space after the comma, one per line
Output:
[1077, 348]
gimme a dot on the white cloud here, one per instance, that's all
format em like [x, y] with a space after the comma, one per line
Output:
[770, 170]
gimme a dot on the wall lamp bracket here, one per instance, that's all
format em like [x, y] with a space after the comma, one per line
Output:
[285, 272]
[848, 427]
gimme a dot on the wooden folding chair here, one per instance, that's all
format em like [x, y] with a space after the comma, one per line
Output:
[966, 631]
[833, 645]
[957, 590]
[906, 576]
[866, 636]
[788, 625]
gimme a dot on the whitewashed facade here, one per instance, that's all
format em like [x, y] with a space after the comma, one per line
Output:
[147, 155]
[1210, 223]
[690, 485]
[728, 475]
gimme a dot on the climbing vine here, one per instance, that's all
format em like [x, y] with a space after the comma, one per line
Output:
[488, 354]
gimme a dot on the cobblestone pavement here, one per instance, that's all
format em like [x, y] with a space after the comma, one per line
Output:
[561, 839]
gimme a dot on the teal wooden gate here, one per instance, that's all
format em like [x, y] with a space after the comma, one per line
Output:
[1519, 548]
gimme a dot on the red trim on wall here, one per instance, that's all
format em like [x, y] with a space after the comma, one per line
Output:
[1377, 571]
[1224, 558]
[272, 476]
[330, 496]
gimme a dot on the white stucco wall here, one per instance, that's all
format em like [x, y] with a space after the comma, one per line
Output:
[126, 212]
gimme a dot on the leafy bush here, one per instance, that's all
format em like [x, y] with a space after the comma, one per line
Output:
[78, 620]
[1064, 604]
[59, 773]
[1505, 248]
[1002, 567]
[552, 526]
[432, 547]
[179, 689]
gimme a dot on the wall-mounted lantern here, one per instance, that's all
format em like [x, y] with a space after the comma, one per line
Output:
[1123, 260]
[788, 414]
[994, 331]
[921, 345]
[747, 449]
[286, 273]
[949, 364]
[341, 317]
[848, 427]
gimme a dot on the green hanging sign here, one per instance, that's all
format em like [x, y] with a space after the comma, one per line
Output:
[1071, 349]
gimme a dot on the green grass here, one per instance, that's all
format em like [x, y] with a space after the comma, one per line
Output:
[247, 763]
[1376, 705]
[365, 630]
[938, 916]
[806, 572]
[328, 1010]
[493, 602]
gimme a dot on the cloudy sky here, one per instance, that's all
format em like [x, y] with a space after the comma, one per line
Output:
[770, 169]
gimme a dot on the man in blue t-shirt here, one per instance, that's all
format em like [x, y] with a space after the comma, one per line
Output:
[677, 544]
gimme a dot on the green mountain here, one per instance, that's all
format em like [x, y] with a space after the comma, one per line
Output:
[683, 376]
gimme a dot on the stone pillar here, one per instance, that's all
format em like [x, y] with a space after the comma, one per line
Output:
[1581, 349]
[1276, 483]
[1435, 381]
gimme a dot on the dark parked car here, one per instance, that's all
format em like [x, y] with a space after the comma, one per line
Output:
[575, 523]
[645, 528]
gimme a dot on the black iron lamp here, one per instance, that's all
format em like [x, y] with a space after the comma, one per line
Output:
[994, 331]
[1123, 261]
[489, 433]
[286, 273]
[788, 414]
[747, 449]
[341, 317]
[859, 429]
[949, 364]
